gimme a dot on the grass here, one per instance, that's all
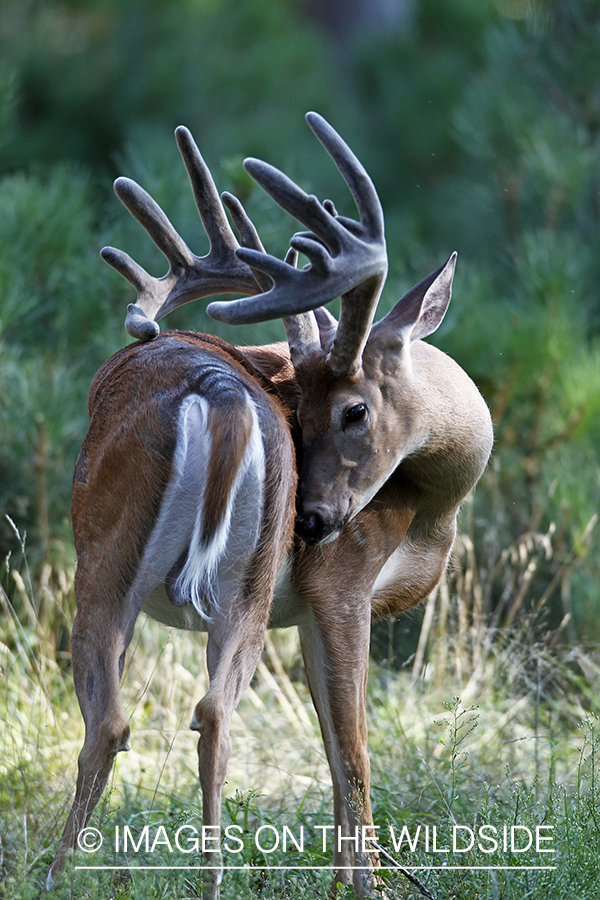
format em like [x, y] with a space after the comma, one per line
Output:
[493, 727]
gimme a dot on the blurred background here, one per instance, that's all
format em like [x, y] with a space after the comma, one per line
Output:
[479, 123]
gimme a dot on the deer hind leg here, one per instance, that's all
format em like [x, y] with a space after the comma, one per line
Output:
[254, 540]
[236, 634]
[98, 652]
[336, 659]
[233, 652]
[107, 612]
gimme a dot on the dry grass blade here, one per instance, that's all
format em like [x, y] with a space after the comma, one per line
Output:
[423, 889]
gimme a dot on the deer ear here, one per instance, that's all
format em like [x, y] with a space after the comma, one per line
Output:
[421, 310]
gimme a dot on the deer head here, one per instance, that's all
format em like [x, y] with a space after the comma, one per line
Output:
[358, 426]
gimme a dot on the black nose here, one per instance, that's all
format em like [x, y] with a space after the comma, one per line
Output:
[310, 528]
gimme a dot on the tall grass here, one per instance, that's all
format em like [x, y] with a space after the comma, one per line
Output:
[485, 725]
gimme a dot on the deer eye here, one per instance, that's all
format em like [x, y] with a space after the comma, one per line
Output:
[355, 414]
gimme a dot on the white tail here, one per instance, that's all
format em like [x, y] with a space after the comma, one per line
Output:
[184, 495]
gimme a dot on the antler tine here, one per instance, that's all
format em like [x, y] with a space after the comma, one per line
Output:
[208, 202]
[189, 276]
[353, 172]
[248, 234]
[302, 330]
[346, 258]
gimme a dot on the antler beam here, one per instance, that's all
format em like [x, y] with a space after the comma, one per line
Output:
[189, 276]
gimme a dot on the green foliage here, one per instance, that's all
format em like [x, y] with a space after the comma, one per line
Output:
[526, 207]
[480, 127]
[91, 74]
[53, 334]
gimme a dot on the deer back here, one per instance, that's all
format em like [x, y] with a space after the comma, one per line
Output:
[188, 465]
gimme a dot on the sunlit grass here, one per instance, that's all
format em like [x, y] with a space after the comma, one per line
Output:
[518, 749]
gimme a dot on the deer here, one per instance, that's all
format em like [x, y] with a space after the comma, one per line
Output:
[314, 482]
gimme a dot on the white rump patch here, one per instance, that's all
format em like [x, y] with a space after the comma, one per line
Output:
[200, 579]
[212, 571]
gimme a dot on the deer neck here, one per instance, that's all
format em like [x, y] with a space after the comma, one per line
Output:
[453, 424]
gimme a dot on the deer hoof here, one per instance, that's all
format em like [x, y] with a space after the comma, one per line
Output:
[50, 882]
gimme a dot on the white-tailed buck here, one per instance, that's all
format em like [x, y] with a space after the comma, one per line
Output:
[186, 501]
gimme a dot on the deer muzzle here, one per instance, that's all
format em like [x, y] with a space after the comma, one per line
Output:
[316, 526]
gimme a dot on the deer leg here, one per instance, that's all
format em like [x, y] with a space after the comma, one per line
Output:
[336, 656]
[98, 648]
[233, 650]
